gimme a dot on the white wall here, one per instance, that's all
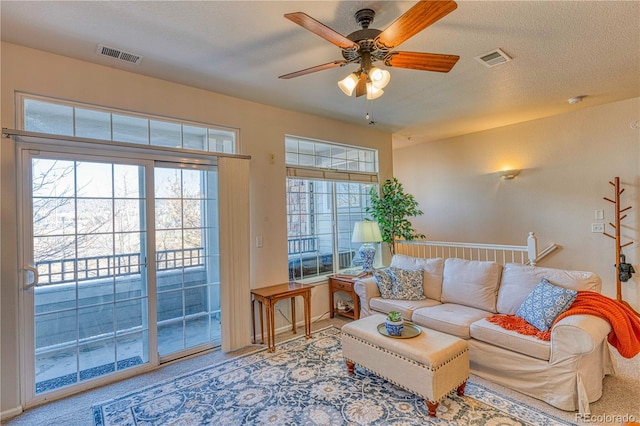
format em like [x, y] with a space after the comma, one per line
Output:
[567, 162]
[262, 130]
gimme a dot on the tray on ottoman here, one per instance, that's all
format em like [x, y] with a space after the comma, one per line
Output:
[431, 364]
[409, 331]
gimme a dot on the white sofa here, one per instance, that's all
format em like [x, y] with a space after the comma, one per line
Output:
[566, 371]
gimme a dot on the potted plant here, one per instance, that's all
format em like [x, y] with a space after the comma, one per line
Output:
[391, 208]
[394, 323]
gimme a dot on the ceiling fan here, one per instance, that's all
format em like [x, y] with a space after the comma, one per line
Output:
[367, 46]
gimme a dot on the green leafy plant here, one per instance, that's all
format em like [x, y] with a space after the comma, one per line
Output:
[391, 208]
[394, 316]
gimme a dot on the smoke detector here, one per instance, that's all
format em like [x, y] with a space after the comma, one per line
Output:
[493, 58]
[119, 54]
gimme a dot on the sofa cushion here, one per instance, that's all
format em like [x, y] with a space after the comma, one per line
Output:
[493, 334]
[431, 275]
[449, 318]
[405, 307]
[518, 280]
[471, 283]
[545, 302]
[384, 279]
[407, 284]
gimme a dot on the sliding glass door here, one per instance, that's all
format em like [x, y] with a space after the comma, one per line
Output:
[121, 267]
[85, 248]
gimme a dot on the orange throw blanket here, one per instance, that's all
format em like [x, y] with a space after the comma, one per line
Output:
[625, 325]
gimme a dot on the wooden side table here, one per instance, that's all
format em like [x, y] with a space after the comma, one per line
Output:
[268, 296]
[339, 282]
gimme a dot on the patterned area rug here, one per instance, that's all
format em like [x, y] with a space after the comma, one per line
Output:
[304, 382]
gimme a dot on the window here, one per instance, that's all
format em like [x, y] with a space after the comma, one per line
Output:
[44, 115]
[327, 192]
[122, 242]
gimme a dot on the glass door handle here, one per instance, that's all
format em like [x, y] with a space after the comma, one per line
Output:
[33, 270]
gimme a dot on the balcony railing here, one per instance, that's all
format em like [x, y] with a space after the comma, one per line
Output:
[59, 271]
[304, 260]
[302, 245]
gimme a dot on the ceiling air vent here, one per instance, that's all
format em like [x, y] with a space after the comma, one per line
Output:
[119, 54]
[493, 58]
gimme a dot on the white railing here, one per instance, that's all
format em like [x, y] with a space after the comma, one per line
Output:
[526, 254]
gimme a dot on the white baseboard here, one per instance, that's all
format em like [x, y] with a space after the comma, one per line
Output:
[7, 414]
[298, 324]
[287, 327]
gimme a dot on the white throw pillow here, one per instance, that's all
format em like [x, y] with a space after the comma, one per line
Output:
[471, 283]
[518, 281]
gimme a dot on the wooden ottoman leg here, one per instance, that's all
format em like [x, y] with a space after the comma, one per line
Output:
[350, 366]
[461, 388]
[433, 406]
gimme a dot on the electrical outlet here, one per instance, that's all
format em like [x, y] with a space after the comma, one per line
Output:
[597, 227]
[259, 241]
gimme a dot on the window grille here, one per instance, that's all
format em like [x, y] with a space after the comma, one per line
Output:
[328, 190]
[56, 117]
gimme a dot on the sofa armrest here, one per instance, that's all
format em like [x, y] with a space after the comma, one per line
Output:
[366, 289]
[577, 335]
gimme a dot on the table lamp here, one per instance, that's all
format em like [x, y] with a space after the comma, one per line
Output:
[367, 233]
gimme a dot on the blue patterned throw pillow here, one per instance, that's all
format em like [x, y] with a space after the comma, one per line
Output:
[384, 278]
[545, 302]
[407, 284]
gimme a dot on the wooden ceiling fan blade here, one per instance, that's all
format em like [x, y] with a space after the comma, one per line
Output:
[317, 68]
[421, 61]
[361, 88]
[416, 19]
[318, 28]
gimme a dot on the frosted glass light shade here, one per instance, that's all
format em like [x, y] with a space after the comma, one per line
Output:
[379, 78]
[348, 84]
[373, 92]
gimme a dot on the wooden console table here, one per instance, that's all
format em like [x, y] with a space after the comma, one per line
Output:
[268, 296]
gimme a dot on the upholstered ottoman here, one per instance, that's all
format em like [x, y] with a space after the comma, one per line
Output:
[430, 365]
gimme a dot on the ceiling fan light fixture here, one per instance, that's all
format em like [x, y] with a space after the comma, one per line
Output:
[373, 92]
[348, 84]
[369, 45]
[379, 78]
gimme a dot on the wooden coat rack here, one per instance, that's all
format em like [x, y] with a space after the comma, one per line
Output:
[616, 226]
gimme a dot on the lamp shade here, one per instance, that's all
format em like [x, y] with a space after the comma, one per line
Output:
[366, 232]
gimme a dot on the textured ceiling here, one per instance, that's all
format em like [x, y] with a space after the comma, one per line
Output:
[560, 49]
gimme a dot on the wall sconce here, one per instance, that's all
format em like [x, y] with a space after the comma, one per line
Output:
[509, 174]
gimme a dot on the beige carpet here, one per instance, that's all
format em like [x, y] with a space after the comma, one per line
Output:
[621, 394]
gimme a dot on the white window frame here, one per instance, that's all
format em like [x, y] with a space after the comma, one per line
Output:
[338, 171]
[210, 129]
